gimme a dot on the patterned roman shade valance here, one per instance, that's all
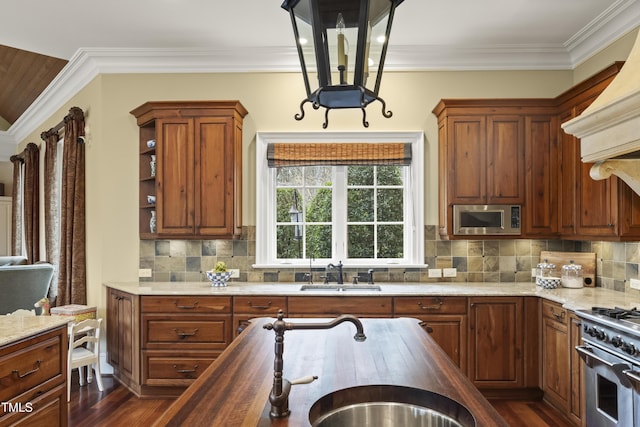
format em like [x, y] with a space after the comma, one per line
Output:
[338, 153]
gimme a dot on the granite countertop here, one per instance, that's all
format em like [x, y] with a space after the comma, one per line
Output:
[15, 328]
[572, 299]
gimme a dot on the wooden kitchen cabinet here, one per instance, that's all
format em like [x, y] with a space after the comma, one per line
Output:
[246, 308]
[181, 336]
[123, 338]
[577, 397]
[198, 176]
[495, 152]
[496, 342]
[332, 306]
[444, 318]
[556, 383]
[589, 209]
[34, 375]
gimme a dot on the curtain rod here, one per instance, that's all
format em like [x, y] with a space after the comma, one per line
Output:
[75, 113]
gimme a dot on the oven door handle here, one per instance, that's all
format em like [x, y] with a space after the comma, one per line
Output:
[634, 377]
[587, 354]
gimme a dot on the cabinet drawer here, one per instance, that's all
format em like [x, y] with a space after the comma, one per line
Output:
[430, 305]
[29, 367]
[186, 304]
[194, 331]
[340, 305]
[169, 368]
[554, 311]
[259, 305]
[46, 410]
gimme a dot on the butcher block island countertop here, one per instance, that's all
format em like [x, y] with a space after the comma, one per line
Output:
[234, 390]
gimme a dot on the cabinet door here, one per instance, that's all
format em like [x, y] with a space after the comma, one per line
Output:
[540, 212]
[467, 154]
[495, 335]
[122, 342]
[214, 174]
[569, 153]
[555, 363]
[505, 160]
[450, 332]
[175, 176]
[576, 403]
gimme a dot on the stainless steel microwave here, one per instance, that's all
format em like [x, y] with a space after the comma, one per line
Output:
[486, 220]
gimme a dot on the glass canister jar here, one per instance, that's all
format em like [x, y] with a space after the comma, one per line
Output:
[572, 275]
[544, 271]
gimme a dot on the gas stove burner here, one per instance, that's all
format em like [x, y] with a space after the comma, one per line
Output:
[617, 312]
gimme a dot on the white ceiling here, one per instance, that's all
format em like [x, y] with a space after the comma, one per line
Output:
[442, 28]
[125, 36]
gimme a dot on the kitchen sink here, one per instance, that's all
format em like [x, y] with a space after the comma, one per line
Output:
[336, 287]
[386, 406]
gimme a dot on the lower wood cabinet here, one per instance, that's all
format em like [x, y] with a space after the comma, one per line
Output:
[562, 368]
[33, 374]
[246, 308]
[555, 355]
[335, 306]
[444, 318]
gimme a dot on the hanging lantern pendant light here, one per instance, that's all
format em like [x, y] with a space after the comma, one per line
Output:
[326, 31]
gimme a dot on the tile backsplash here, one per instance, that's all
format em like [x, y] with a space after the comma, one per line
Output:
[475, 260]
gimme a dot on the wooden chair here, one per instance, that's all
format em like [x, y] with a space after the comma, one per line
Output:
[84, 332]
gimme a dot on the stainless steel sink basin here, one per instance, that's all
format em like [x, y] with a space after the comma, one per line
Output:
[388, 406]
[335, 287]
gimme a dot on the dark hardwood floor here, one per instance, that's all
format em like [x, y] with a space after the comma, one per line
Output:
[116, 406]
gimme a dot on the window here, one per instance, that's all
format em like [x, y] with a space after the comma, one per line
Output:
[362, 215]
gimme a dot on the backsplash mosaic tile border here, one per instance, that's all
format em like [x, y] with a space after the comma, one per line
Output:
[475, 260]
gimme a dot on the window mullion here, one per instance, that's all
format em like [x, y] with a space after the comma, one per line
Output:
[339, 214]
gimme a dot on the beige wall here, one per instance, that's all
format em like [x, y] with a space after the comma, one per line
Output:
[617, 51]
[271, 99]
[4, 125]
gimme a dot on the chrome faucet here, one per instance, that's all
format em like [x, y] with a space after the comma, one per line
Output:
[279, 396]
[339, 268]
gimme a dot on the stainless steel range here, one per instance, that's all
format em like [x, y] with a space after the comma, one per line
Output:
[611, 353]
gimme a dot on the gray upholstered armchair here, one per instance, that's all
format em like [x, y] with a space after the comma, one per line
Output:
[23, 285]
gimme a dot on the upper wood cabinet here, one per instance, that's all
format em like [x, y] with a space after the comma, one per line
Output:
[198, 175]
[495, 152]
[604, 209]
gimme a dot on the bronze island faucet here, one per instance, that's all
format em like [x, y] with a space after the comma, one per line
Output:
[279, 396]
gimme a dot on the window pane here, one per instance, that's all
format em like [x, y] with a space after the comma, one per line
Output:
[389, 175]
[360, 204]
[287, 198]
[360, 175]
[288, 246]
[318, 204]
[318, 176]
[318, 241]
[390, 204]
[289, 176]
[390, 241]
[360, 241]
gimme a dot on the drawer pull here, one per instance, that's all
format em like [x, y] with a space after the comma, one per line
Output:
[558, 316]
[26, 374]
[426, 327]
[184, 335]
[260, 307]
[437, 306]
[186, 307]
[185, 371]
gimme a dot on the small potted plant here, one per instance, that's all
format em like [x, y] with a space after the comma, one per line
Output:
[219, 275]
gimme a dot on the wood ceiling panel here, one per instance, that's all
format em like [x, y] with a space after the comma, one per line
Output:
[23, 76]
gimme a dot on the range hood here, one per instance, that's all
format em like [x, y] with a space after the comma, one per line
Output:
[609, 130]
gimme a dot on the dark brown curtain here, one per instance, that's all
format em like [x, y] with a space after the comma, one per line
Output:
[72, 288]
[338, 153]
[32, 202]
[51, 205]
[16, 206]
